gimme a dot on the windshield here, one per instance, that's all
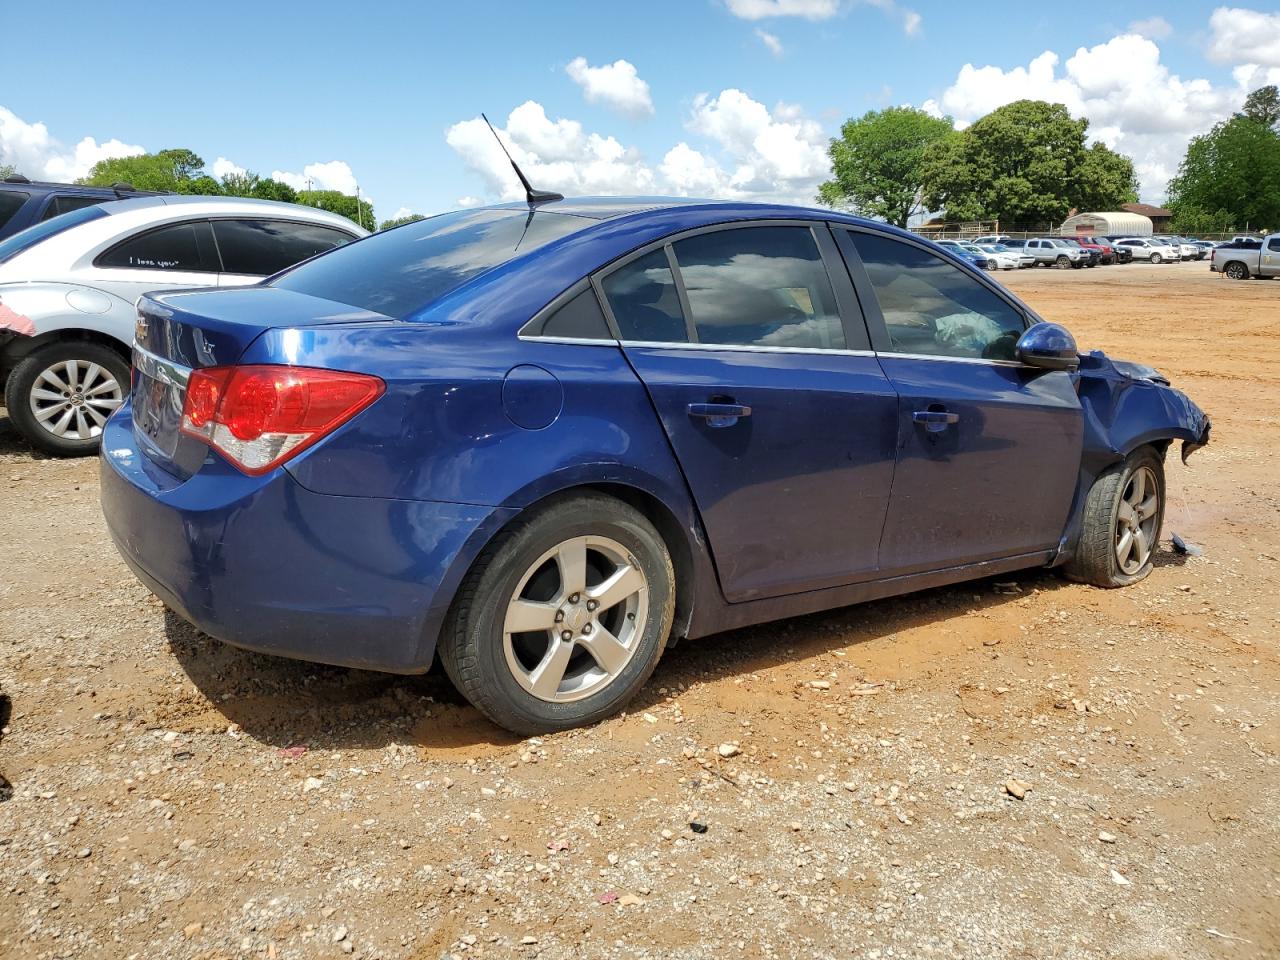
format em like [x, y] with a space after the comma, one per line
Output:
[28, 238]
[398, 271]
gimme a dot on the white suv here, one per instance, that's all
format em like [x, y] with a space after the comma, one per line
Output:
[1144, 248]
[68, 288]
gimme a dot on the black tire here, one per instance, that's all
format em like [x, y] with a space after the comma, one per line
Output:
[1095, 560]
[1156, 258]
[1235, 270]
[25, 377]
[472, 647]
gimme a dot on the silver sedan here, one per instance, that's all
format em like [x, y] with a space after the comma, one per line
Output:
[68, 288]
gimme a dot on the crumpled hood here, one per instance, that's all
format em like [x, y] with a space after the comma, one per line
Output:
[1127, 404]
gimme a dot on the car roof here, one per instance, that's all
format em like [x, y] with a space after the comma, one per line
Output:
[84, 189]
[200, 204]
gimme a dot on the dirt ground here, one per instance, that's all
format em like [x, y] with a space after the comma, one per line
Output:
[173, 797]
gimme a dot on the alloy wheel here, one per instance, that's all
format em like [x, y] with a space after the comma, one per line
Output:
[575, 619]
[1136, 519]
[72, 399]
[1236, 271]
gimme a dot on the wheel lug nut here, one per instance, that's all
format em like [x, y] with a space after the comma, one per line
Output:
[566, 635]
[574, 598]
[586, 630]
[559, 616]
[591, 605]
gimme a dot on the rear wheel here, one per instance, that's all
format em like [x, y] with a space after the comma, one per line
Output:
[563, 618]
[59, 396]
[1120, 528]
[1237, 271]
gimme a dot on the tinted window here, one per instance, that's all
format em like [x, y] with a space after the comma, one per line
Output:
[263, 247]
[399, 271]
[11, 202]
[1273, 243]
[65, 204]
[580, 318]
[643, 298]
[178, 247]
[25, 239]
[934, 308]
[759, 286]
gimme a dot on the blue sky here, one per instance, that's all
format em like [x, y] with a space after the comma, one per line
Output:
[733, 97]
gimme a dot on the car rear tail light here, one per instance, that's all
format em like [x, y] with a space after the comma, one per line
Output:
[260, 416]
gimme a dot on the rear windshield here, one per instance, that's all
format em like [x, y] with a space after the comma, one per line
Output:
[11, 202]
[28, 238]
[399, 271]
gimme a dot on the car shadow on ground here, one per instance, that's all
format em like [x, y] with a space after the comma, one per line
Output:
[288, 703]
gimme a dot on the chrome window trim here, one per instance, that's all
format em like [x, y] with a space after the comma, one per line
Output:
[578, 341]
[744, 348]
[158, 368]
[888, 354]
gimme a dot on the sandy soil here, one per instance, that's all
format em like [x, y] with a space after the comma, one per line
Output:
[173, 797]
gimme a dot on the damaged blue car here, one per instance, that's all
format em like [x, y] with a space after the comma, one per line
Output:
[544, 441]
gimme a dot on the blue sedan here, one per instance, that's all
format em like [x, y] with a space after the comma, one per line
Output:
[543, 442]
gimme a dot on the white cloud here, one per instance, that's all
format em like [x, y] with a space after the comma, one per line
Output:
[333, 175]
[615, 85]
[34, 152]
[911, 22]
[1132, 100]
[1244, 36]
[469, 201]
[752, 153]
[1157, 28]
[770, 41]
[762, 9]
[400, 212]
[222, 167]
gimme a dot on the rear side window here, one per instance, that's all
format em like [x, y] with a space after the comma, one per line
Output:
[66, 203]
[644, 300]
[177, 247]
[28, 238]
[11, 202]
[759, 286]
[580, 318]
[263, 247]
[933, 308]
[396, 272]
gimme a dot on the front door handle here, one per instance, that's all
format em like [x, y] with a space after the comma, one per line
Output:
[719, 414]
[935, 421]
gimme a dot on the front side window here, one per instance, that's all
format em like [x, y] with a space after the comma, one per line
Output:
[933, 308]
[178, 247]
[643, 298]
[1273, 243]
[759, 286]
[262, 247]
[66, 203]
[11, 202]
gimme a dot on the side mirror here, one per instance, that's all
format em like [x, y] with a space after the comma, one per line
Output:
[1049, 347]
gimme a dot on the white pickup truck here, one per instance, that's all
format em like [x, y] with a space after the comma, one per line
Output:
[1244, 258]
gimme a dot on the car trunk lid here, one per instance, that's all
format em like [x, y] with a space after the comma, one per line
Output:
[184, 331]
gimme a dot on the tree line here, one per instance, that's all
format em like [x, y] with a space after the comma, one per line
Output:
[179, 170]
[1028, 163]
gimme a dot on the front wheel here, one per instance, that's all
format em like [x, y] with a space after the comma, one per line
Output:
[563, 618]
[60, 396]
[1120, 528]
[1063, 260]
[1155, 258]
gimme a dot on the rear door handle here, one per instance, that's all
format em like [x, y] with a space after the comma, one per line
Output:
[935, 421]
[719, 414]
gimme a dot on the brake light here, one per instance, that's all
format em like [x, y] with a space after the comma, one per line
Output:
[259, 416]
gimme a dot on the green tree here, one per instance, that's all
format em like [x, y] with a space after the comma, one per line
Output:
[397, 221]
[1235, 167]
[341, 203]
[165, 170]
[6, 170]
[1263, 105]
[876, 162]
[259, 188]
[1025, 162]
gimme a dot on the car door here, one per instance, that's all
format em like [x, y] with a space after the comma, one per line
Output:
[1270, 263]
[988, 449]
[749, 340]
[252, 249]
[173, 255]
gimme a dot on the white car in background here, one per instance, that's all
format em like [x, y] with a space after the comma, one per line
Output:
[1005, 257]
[1144, 248]
[68, 288]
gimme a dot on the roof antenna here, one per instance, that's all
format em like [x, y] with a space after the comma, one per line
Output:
[532, 196]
